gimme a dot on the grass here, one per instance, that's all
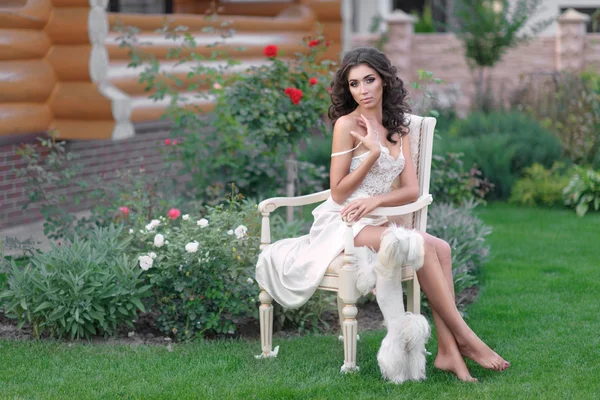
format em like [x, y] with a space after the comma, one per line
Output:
[538, 308]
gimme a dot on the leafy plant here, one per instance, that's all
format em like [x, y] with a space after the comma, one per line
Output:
[569, 106]
[488, 29]
[466, 235]
[48, 172]
[450, 183]
[51, 172]
[309, 317]
[80, 289]
[240, 140]
[201, 269]
[540, 186]
[583, 190]
[502, 145]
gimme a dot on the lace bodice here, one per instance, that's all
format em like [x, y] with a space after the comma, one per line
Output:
[380, 177]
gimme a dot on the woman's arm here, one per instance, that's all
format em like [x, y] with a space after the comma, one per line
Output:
[409, 184]
[342, 183]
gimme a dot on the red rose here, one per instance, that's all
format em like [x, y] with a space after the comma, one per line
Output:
[124, 210]
[314, 43]
[327, 43]
[294, 94]
[174, 142]
[167, 142]
[312, 81]
[174, 213]
[329, 90]
[270, 51]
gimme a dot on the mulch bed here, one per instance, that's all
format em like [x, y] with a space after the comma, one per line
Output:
[369, 318]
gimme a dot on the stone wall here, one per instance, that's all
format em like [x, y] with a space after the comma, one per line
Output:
[443, 54]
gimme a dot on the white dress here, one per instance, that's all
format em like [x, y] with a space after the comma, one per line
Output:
[291, 269]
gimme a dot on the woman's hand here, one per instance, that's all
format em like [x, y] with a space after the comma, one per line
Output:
[357, 209]
[370, 140]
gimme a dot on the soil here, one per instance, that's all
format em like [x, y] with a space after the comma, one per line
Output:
[369, 318]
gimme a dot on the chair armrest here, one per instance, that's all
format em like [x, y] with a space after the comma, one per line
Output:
[270, 205]
[421, 202]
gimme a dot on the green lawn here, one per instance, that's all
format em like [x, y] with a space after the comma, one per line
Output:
[539, 308]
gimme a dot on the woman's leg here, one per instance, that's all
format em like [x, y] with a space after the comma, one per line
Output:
[436, 288]
[441, 299]
[448, 357]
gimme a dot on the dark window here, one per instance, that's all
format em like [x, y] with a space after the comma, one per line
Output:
[141, 6]
[589, 27]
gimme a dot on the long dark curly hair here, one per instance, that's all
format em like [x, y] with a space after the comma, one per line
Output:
[394, 94]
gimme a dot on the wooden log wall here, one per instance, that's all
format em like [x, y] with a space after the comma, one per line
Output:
[56, 64]
[328, 13]
[27, 78]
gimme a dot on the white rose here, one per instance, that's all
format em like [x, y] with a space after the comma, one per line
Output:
[130, 231]
[145, 262]
[185, 217]
[152, 255]
[230, 232]
[203, 223]
[250, 281]
[159, 240]
[191, 247]
[241, 231]
[153, 224]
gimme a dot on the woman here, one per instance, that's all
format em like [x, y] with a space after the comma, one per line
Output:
[368, 153]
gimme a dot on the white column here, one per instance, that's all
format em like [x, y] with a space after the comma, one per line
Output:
[384, 8]
[347, 32]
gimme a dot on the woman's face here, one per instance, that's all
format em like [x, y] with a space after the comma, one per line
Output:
[366, 86]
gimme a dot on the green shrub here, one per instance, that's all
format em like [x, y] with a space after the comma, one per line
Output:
[466, 234]
[492, 155]
[568, 105]
[540, 186]
[450, 183]
[502, 145]
[309, 317]
[583, 190]
[201, 268]
[82, 288]
[49, 169]
[241, 140]
[317, 152]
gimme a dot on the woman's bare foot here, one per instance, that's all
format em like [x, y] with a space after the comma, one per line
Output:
[476, 350]
[454, 363]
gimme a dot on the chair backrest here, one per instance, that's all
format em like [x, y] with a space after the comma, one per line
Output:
[420, 136]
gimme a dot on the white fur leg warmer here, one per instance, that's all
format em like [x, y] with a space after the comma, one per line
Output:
[365, 261]
[401, 356]
[400, 247]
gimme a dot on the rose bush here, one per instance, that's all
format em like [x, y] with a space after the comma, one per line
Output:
[201, 268]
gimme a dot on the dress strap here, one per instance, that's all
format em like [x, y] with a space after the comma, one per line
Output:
[341, 153]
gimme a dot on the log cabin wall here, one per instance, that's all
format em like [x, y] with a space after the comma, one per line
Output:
[55, 65]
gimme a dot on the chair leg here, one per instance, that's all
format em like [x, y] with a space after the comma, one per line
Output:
[266, 324]
[350, 328]
[340, 305]
[413, 296]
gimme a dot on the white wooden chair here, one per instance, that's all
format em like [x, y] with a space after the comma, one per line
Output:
[341, 279]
